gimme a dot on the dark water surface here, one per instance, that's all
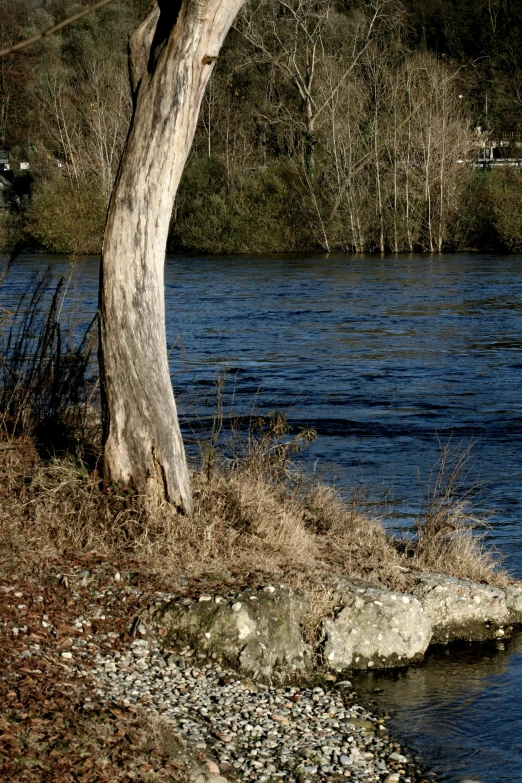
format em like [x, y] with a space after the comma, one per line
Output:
[383, 357]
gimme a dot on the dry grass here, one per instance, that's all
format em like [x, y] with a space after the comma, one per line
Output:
[451, 536]
[249, 524]
[244, 524]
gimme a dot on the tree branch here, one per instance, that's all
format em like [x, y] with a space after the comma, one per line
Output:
[140, 42]
[54, 29]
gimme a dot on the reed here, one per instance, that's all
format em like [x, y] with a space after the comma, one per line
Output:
[47, 379]
[451, 533]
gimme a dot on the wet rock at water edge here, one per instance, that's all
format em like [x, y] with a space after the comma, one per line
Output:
[461, 609]
[375, 628]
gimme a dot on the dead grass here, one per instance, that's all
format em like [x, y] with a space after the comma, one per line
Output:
[451, 536]
[249, 524]
[244, 522]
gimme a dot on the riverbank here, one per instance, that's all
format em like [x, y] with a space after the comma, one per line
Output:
[83, 699]
[269, 210]
[85, 568]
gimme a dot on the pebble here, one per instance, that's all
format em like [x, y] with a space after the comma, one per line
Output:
[398, 757]
[255, 732]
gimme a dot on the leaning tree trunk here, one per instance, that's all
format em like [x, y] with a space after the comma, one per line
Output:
[171, 53]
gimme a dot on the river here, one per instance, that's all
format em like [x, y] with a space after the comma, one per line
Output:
[384, 357]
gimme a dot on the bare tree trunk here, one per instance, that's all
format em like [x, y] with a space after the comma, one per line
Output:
[395, 171]
[378, 178]
[309, 146]
[427, 186]
[408, 168]
[442, 172]
[172, 53]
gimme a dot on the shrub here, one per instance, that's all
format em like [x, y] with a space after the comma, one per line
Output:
[66, 216]
[240, 212]
[491, 213]
[11, 229]
[506, 201]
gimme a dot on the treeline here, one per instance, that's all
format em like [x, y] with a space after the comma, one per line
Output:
[484, 38]
[326, 125]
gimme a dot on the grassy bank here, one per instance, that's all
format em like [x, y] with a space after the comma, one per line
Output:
[250, 524]
[74, 546]
[256, 516]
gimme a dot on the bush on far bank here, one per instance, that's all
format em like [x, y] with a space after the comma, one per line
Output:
[66, 216]
[506, 199]
[490, 217]
[218, 210]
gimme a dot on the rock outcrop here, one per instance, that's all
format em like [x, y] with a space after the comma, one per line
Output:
[375, 628]
[513, 595]
[461, 609]
[256, 631]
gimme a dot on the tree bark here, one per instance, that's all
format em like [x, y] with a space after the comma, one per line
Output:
[171, 56]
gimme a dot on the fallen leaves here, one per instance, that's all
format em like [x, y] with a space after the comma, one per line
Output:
[51, 726]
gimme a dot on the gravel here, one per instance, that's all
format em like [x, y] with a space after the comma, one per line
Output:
[255, 732]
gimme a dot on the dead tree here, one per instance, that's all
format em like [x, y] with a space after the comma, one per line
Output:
[171, 54]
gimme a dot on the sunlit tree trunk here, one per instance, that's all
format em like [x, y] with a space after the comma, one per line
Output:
[395, 171]
[408, 169]
[378, 187]
[172, 52]
[427, 183]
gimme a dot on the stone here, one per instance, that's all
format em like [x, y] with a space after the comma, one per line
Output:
[461, 609]
[261, 638]
[361, 723]
[398, 757]
[513, 595]
[374, 628]
[212, 766]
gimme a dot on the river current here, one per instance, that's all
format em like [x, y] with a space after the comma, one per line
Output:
[385, 357]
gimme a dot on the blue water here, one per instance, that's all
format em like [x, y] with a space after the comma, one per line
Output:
[383, 357]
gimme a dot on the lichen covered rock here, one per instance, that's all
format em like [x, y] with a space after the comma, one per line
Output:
[375, 628]
[257, 631]
[513, 595]
[461, 609]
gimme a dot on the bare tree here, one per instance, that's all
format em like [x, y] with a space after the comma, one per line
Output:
[85, 100]
[172, 54]
[292, 37]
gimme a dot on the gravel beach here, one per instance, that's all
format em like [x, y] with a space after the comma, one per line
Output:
[81, 633]
[255, 732]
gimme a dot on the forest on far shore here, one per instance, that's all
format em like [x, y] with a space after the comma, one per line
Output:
[326, 125]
